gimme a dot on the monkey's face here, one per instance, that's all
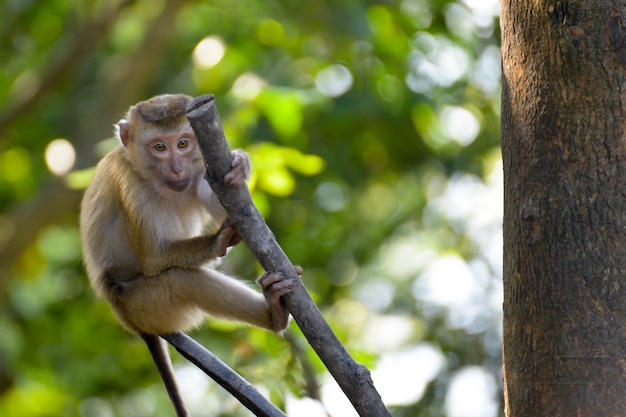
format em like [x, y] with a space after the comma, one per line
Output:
[177, 157]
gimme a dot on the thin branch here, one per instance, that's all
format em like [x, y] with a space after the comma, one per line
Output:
[230, 380]
[312, 387]
[354, 379]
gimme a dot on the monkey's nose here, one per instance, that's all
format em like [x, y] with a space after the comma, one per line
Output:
[177, 166]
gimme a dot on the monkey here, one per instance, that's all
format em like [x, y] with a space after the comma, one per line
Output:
[152, 228]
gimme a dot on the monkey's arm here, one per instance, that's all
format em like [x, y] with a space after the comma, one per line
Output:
[211, 203]
[190, 253]
[237, 176]
[240, 168]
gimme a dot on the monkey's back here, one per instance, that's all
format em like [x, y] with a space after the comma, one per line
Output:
[102, 220]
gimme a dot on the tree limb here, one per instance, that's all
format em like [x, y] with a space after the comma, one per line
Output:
[312, 388]
[230, 380]
[354, 379]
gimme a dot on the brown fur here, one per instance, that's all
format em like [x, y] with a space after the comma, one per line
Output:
[141, 232]
[141, 228]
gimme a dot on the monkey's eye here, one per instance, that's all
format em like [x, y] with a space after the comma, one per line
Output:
[159, 147]
[183, 143]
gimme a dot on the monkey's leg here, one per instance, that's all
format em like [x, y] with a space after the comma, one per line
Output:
[226, 297]
[161, 358]
[178, 299]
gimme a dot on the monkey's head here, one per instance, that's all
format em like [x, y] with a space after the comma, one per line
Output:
[160, 113]
[157, 133]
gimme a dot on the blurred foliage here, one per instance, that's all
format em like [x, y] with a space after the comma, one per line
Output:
[374, 133]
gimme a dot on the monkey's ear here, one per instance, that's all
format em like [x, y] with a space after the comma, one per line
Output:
[123, 132]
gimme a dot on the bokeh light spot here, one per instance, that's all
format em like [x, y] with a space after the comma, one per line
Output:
[60, 156]
[334, 80]
[209, 52]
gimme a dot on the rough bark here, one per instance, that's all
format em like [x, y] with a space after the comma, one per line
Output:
[563, 146]
[354, 379]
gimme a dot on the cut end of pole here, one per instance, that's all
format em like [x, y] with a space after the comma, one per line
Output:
[199, 102]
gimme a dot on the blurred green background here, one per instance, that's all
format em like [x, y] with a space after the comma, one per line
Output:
[373, 128]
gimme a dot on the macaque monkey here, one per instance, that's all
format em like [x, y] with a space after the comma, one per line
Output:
[141, 226]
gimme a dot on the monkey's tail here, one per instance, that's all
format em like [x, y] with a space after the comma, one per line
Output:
[161, 358]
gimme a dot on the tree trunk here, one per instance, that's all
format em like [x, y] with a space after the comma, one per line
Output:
[564, 148]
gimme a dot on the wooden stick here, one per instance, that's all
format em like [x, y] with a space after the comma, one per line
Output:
[230, 380]
[354, 379]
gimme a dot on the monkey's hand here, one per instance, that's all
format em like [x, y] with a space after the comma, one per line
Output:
[227, 236]
[239, 169]
[274, 286]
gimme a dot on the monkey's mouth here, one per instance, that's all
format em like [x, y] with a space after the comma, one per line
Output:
[178, 186]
